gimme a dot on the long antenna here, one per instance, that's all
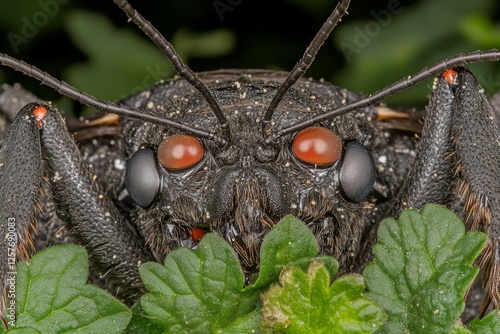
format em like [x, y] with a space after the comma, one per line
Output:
[307, 59]
[398, 86]
[106, 106]
[180, 67]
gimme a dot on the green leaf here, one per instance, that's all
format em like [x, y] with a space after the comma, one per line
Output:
[245, 324]
[306, 303]
[487, 325]
[141, 323]
[458, 328]
[23, 330]
[290, 242]
[51, 295]
[200, 291]
[422, 269]
[206, 286]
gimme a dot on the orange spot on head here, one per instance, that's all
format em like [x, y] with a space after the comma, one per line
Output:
[197, 233]
[450, 75]
[39, 113]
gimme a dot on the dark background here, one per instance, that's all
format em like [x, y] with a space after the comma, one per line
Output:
[91, 45]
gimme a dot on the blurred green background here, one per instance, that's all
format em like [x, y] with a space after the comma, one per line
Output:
[90, 44]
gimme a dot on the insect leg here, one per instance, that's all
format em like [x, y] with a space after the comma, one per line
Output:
[460, 138]
[431, 175]
[91, 216]
[476, 138]
[20, 180]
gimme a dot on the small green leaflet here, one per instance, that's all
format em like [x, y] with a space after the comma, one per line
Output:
[200, 291]
[52, 296]
[309, 303]
[422, 270]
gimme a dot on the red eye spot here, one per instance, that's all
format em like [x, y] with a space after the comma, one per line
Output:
[197, 233]
[317, 146]
[180, 152]
[450, 75]
[39, 113]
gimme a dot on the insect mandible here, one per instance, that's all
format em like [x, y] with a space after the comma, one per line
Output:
[254, 146]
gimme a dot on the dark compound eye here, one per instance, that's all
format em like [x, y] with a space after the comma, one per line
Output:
[179, 152]
[142, 179]
[357, 174]
[317, 146]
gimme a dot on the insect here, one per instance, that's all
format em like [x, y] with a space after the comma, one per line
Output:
[232, 152]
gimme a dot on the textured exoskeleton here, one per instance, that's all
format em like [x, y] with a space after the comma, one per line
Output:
[242, 151]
